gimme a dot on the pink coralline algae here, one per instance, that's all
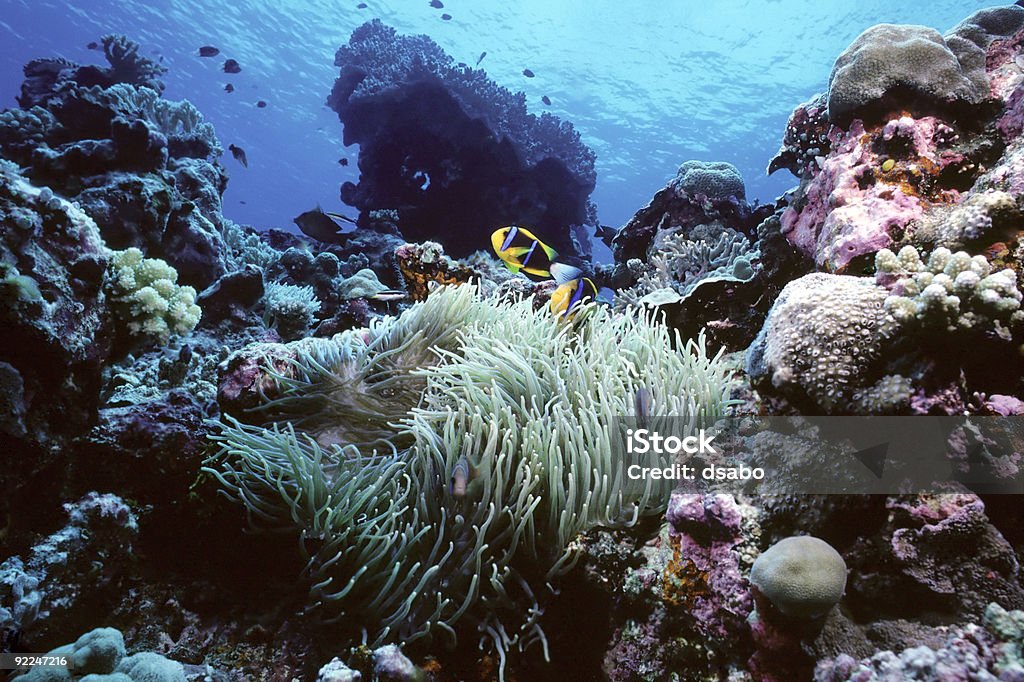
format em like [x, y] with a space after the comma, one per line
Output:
[1004, 406]
[947, 543]
[244, 377]
[705, 575]
[1001, 67]
[1011, 123]
[869, 189]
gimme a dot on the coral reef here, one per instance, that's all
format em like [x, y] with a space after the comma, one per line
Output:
[806, 139]
[57, 327]
[100, 654]
[142, 167]
[913, 62]
[425, 266]
[700, 193]
[989, 651]
[680, 263]
[43, 77]
[289, 309]
[939, 542]
[443, 145]
[436, 456]
[691, 253]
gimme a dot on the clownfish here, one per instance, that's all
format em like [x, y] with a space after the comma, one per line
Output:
[462, 475]
[567, 298]
[643, 403]
[523, 253]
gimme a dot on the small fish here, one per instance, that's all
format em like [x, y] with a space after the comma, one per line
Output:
[642, 405]
[231, 66]
[528, 73]
[389, 295]
[480, 58]
[437, 4]
[566, 299]
[229, 88]
[93, 46]
[208, 51]
[185, 353]
[446, 17]
[605, 233]
[343, 161]
[241, 201]
[546, 100]
[319, 225]
[239, 155]
[362, 5]
[261, 105]
[461, 476]
[523, 253]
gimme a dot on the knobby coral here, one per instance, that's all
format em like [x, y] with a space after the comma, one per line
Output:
[148, 298]
[363, 433]
[952, 291]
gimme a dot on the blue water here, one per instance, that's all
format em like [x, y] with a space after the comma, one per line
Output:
[648, 84]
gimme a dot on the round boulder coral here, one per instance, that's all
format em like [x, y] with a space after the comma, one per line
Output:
[909, 62]
[714, 179]
[802, 576]
[825, 340]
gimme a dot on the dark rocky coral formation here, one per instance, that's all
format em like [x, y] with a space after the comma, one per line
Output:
[455, 154]
[144, 168]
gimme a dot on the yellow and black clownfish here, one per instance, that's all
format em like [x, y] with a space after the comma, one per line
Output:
[566, 299]
[523, 253]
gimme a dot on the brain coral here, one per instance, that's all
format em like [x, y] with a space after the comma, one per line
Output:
[823, 337]
[890, 59]
[801, 576]
[714, 179]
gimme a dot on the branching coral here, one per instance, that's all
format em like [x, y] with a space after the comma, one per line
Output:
[289, 309]
[147, 297]
[954, 291]
[127, 66]
[530, 403]
[180, 121]
[681, 262]
[243, 246]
